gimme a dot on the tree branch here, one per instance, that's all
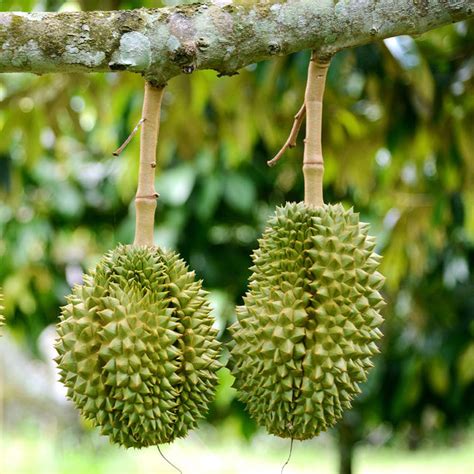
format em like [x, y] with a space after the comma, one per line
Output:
[223, 35]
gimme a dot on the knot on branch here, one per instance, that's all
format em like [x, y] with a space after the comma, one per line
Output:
[185, 56]
[150, 197]
[274, 47]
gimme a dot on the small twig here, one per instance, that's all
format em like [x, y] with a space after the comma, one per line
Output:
[291, 142]
[127, 141]
[289, 456]
[168, 461]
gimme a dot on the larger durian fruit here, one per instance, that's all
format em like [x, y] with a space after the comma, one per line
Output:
[136, 347]
[304, 338]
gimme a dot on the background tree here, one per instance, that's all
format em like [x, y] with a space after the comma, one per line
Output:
[398, 146]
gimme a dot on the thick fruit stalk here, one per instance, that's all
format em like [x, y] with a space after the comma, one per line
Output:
[313, 163]
[145, 200]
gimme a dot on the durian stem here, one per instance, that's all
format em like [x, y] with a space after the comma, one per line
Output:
[145, 199]
[313, 164]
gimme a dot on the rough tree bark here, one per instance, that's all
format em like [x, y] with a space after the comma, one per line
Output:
[223, 35]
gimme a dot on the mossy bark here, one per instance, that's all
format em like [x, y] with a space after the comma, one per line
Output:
[224, 36]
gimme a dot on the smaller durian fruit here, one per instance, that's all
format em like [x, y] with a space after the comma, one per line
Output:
[137, 349]
[308, 328]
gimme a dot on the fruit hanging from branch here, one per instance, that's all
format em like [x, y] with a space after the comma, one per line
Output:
[304, 338]
[136, 347]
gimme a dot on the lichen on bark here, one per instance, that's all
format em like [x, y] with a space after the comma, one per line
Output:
[222, 35]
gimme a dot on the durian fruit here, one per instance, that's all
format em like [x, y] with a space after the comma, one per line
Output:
[304, 337]
[136, 347]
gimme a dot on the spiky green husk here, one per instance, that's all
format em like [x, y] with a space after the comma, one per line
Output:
[136, 347]
[304, 338]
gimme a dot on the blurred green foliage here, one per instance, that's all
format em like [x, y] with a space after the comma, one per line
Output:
[399, 147]
[221, 454]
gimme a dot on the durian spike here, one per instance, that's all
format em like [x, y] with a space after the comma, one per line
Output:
[313, 164]
[145, 199]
